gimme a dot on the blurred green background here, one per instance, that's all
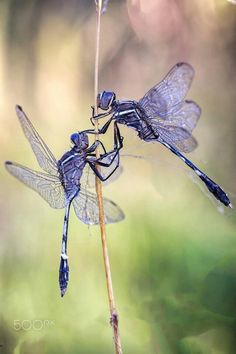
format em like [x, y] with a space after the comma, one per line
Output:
[174, 257]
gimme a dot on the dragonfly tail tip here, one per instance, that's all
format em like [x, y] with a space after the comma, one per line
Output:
[18, 107]
[63, 291]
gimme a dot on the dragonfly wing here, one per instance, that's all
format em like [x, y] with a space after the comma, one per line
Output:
[88, 176]
[42, 153]
[114, 176]
[185, 115]
[187, 145]
[178, 137]
[49, 187]
[168, 93]
[86, 209]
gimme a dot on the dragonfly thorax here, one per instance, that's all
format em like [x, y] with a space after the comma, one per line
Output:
[128, 113]
[70, 168]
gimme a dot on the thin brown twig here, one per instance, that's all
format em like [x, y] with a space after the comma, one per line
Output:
[113, 312]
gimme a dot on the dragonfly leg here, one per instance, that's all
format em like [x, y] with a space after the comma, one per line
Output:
[93, 147]
[110, 156]
[104, 149]
[101, 115]
[113, 155]
[105, 126]
[93, 115]
[98, 174]
[118, 144]
[100, 131]
[118, 139]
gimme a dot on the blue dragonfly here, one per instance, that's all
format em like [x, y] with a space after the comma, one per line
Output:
[162, 115]
[66, 181]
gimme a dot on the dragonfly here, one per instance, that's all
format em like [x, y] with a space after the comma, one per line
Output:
[162, 115]
[65, 182]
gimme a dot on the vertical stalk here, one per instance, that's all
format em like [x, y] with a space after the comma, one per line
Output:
[112, 305]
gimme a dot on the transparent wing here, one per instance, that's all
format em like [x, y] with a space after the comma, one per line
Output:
[86, 208]
[185, 115]
[160, 99]
[49, 187]
[187, 145]
[114, 176]
[88, 178]
[42, 153]
[178, 137]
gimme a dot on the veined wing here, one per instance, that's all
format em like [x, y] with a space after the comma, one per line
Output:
[88, 177]
[185, 115]
[178, 137]
[187, 145]
[42, 153]
[48, 186]
[160, 99]
[86, 209]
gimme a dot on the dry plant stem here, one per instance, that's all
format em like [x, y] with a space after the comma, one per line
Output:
[112, 306]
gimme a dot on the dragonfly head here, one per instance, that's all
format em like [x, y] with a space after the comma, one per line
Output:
[105, 100]
[80, 140]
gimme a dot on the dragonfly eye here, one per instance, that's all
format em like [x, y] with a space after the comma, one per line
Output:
[105, 100]
[75, 138]
[80, 140]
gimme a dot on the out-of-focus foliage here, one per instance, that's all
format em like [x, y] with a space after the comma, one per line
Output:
[174, 257]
